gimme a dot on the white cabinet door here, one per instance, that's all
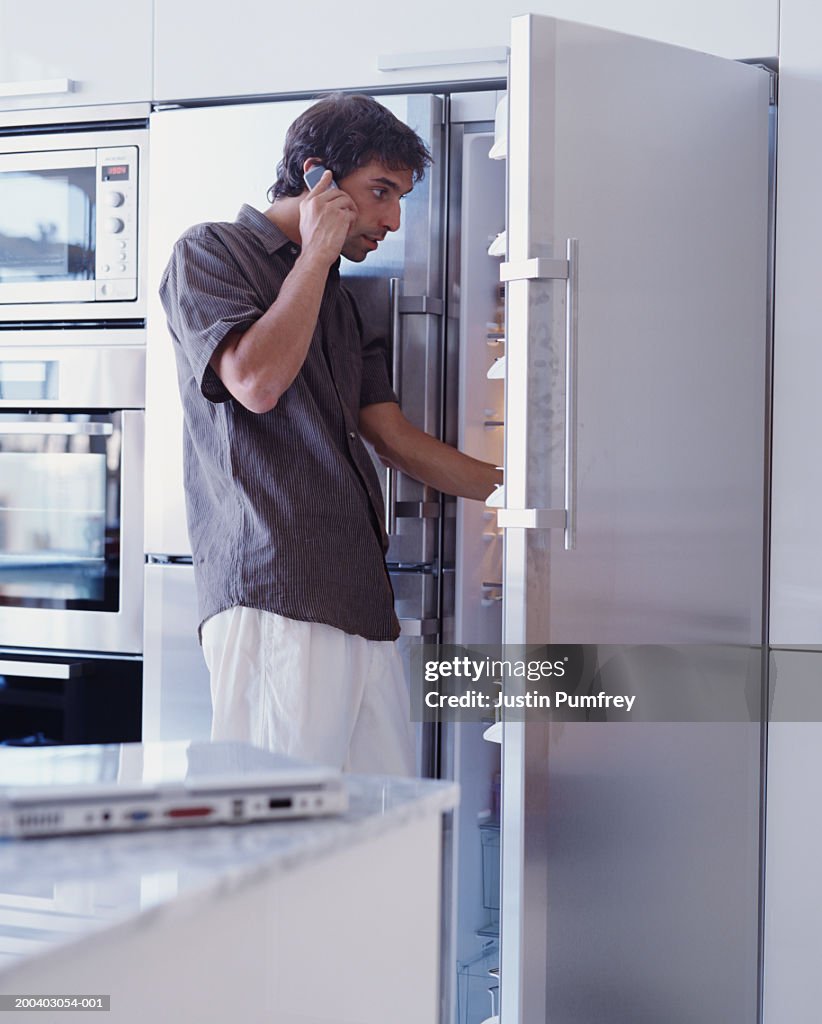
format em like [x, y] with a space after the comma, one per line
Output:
[258, 49]
[57, 54]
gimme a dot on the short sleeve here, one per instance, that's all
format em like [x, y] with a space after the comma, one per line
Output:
[375, 386]
[205, 297]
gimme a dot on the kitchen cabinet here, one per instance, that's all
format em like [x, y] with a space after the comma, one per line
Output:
[327, 45]
[54, 54]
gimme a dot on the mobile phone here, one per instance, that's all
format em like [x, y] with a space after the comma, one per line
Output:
[313, 175]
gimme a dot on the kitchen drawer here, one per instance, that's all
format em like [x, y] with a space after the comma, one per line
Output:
[77, 699]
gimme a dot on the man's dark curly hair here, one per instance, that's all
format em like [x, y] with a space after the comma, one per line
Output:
[346, 132]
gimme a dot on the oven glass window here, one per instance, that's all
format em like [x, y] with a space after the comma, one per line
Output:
[60, 486]
[47, 225]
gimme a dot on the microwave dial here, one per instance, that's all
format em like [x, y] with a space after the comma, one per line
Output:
[113, 225]
[115, 199]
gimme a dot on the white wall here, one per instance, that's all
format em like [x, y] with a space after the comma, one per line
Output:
[796, 586]
[793, 901]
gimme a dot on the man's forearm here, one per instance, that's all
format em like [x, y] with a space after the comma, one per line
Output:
[417, 454]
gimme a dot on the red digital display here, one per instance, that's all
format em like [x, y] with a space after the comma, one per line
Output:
[115, 172]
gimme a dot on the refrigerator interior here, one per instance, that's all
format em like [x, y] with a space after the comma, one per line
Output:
[477, 203]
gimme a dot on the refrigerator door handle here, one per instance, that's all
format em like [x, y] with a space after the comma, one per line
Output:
[394, 286]
[541, 269]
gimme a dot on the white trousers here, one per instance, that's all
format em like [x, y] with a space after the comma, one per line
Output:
[309, 690]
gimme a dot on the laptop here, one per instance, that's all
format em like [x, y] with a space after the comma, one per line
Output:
[59, 790]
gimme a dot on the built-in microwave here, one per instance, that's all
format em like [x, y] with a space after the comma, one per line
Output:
[71, 213]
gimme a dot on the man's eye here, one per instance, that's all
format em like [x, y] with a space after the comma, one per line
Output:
[379, 192]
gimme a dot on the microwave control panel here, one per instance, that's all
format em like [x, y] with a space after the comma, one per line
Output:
[116, 242]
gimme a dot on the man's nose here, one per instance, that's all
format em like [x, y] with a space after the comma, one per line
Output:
[392, 217]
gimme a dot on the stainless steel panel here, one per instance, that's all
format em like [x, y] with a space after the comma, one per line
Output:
[612, 832]
[115, 632]
[412, 256]
[176, 689]
[79, 376]
[670, 457]
[193, 137]
[793, 891]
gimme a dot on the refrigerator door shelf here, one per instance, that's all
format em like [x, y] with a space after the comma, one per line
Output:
[497, 369]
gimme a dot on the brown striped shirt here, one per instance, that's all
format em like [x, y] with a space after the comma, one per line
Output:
[284, 508]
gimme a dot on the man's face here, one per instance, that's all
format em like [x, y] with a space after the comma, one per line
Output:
[376, 190]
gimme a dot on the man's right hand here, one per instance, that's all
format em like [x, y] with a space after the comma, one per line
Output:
[326, 217]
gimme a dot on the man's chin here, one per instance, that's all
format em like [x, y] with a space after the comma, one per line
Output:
[355, 254]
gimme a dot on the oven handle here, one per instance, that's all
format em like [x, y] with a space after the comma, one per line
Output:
[43, 669]
[88, 429]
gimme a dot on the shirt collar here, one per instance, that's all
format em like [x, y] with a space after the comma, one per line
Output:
[270, 235]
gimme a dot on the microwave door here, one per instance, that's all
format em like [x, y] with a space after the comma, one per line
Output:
[48, 226]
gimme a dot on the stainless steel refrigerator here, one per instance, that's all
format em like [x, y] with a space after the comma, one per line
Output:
[635, 495]
[627, 400]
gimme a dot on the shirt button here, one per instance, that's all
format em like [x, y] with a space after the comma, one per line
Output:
[351, 434]
[294, 250]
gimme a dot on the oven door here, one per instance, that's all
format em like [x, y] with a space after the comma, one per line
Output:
[71, 528]
[70, 227]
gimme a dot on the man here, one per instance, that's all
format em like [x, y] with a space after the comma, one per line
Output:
[284, 506]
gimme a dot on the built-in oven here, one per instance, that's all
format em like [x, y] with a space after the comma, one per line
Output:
[72, 211]
[71, 496]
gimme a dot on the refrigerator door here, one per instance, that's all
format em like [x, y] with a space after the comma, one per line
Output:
[636, 383]
[400, 294]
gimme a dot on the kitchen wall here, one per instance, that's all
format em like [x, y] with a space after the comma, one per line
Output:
[793, 902]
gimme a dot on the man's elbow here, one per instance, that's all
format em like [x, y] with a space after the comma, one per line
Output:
[255, 391]
[257, 399]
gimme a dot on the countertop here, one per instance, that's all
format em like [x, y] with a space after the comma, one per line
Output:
[63, 890]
